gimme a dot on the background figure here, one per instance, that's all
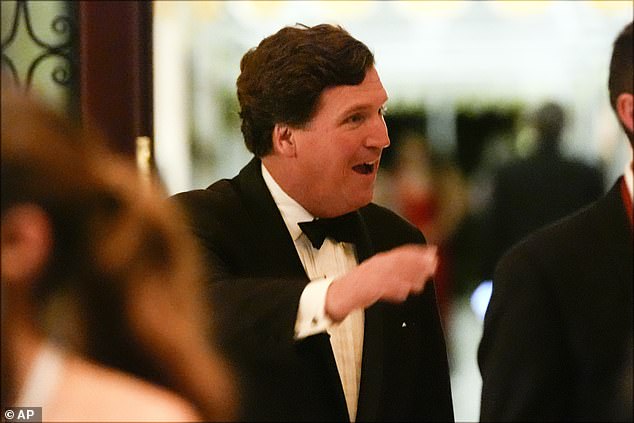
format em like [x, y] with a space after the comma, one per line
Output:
[337, 325]
[103, 315]
[557, 339]
[529, 193]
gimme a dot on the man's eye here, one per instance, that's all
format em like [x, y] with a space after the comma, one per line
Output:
[356, 118]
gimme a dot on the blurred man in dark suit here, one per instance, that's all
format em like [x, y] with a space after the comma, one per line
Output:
[532, 192]
[557, 341]
[324, 326]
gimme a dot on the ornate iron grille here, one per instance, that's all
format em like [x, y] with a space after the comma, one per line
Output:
[21, 25]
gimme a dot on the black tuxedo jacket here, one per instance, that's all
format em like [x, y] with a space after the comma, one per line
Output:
[257, 280]
[557, 333]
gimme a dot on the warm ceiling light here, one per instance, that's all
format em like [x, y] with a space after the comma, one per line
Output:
[346, 9]
[612, 5]
[429, 8]
[520, 7]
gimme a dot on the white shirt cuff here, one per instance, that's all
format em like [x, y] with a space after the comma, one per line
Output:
[311, 315]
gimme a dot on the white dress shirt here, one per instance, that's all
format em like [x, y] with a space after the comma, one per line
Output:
[322, 266]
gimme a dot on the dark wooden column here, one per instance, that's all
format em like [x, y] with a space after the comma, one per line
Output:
[115, 69]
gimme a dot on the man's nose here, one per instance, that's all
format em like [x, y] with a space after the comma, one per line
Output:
[378, 137]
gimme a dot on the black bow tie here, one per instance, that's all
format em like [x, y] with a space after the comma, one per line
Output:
[341, 228]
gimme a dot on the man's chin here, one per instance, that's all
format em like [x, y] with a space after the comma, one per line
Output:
[356, 205]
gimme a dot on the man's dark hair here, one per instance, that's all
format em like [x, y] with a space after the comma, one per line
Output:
[621, 69]
[282, 78]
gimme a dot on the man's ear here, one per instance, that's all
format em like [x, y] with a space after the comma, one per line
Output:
[283, 140]
[26, 243]
[625, 110]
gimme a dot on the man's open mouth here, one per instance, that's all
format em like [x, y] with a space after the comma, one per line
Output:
[365, 168]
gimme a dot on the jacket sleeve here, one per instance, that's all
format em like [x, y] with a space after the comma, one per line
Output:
[250, 313]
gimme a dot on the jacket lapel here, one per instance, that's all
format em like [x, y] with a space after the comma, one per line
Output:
[279, 256]
[372, 360]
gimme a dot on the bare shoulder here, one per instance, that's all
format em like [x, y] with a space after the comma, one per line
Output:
[90, 392]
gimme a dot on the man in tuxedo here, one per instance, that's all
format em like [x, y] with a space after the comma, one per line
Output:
[557, 340]
[324, 301]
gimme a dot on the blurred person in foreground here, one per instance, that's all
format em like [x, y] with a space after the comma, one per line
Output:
[340, 328]
[557, 340]
[102, 315]
[532, 192]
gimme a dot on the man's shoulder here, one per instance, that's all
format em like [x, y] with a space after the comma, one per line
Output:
[224, 193]
[210, 206]
[560, 233]
[218, 192]
[569, 238]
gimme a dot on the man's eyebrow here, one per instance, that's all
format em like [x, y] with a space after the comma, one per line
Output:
[360, 107]
[355, 108]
